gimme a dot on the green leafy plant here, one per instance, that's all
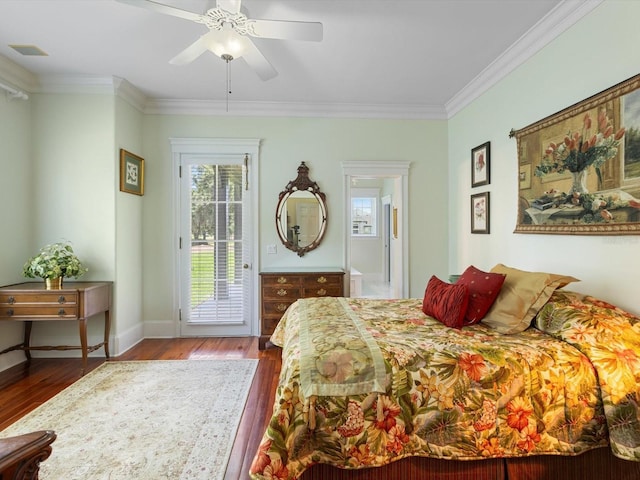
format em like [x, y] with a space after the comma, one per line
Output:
[53, 261]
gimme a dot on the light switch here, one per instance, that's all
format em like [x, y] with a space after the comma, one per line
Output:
[271, 249]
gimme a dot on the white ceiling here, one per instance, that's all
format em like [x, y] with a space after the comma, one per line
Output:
[411, 58]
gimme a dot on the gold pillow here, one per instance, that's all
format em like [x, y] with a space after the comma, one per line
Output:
[522, 295]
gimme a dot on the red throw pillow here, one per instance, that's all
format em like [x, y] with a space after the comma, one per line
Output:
[445, 302]
[484, 288]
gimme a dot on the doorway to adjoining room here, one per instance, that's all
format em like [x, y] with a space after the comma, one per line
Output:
[376, 195]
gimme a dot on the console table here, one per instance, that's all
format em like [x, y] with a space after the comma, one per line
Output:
[29, 302]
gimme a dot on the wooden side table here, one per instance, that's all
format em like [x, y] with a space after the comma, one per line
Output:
[29, 302]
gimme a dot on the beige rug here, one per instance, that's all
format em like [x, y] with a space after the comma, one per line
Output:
[145, 420]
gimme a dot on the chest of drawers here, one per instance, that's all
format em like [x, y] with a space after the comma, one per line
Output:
[50, 305]
[279, 289]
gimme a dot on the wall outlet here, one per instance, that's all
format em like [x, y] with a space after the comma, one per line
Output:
[271, 249]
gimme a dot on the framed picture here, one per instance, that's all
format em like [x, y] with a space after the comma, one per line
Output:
[579, 169]
[480, 213]
[131, 173]
[480, 165]
[395, 222]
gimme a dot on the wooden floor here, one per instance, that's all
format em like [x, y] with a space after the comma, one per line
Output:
[23, 388]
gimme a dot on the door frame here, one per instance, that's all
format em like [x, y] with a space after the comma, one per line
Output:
[399, 171]
[387, 235]
[218, 146]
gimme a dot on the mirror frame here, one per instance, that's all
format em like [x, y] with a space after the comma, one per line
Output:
[301, 184]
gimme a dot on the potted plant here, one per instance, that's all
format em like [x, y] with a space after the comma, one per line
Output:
[53, 263]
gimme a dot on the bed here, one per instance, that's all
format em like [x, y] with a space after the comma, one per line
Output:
[381, 389]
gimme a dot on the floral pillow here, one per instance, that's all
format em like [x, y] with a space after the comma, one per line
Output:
[483, 287]
[446, 302]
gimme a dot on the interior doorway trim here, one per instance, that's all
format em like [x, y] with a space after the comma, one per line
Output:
[399, 171]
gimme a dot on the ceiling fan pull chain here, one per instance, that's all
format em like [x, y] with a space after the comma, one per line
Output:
[227, 58]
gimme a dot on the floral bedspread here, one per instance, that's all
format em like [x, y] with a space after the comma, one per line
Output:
[451, 394]
[610, 337]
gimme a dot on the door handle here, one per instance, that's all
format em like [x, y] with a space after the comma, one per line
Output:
[246, 265]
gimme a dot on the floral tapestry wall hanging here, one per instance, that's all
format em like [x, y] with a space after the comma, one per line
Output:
[579, 169]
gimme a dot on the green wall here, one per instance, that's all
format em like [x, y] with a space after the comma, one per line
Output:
[323, 144]
[595, 54]
[15, 197]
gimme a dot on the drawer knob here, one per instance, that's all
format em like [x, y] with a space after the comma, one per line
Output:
[61, 299]
[10, 312]
[11, 300]
[61, 312]
[281, 293]
[282, 280]
[322, 279]
[281, 307]
[322, 292]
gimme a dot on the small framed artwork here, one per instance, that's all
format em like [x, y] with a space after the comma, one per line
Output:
[395, 222]
[481, 165]
[131, 173]
[480, 213]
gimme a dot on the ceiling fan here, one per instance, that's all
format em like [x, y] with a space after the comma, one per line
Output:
[229, 32]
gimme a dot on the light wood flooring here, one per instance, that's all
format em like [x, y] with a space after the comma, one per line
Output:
[24, 388]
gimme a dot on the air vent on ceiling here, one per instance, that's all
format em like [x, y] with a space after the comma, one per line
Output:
[30, 50]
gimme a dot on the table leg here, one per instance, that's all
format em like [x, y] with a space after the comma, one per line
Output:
[107, 328]
[27, 339]
[82, 322]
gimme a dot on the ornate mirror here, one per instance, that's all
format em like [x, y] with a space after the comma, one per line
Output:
[301, 216]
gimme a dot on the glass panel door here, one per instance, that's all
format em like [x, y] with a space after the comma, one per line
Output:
[214, 255]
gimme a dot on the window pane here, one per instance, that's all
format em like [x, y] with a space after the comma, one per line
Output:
[363, 216]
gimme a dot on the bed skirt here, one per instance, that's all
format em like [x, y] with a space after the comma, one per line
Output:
[599, 463]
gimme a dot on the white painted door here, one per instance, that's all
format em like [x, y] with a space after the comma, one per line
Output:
[215, 246]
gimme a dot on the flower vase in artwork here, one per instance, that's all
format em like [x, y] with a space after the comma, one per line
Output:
[579, 181]
[593, 146]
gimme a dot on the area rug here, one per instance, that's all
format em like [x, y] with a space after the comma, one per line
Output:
[144, 420]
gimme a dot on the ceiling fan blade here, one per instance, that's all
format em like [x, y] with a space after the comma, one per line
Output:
[231, 6]
[165, 9]
[194, 50]
[288, 30]
[257, 61]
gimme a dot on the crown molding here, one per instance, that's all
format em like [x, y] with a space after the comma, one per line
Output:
[93, 85]
[130, 94]
[563, 16]
[90, 84]
[100, 85]
[293, 109]
[17, 76]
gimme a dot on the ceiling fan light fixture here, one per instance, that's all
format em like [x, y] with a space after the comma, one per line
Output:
[229, 42]
[230, 33]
